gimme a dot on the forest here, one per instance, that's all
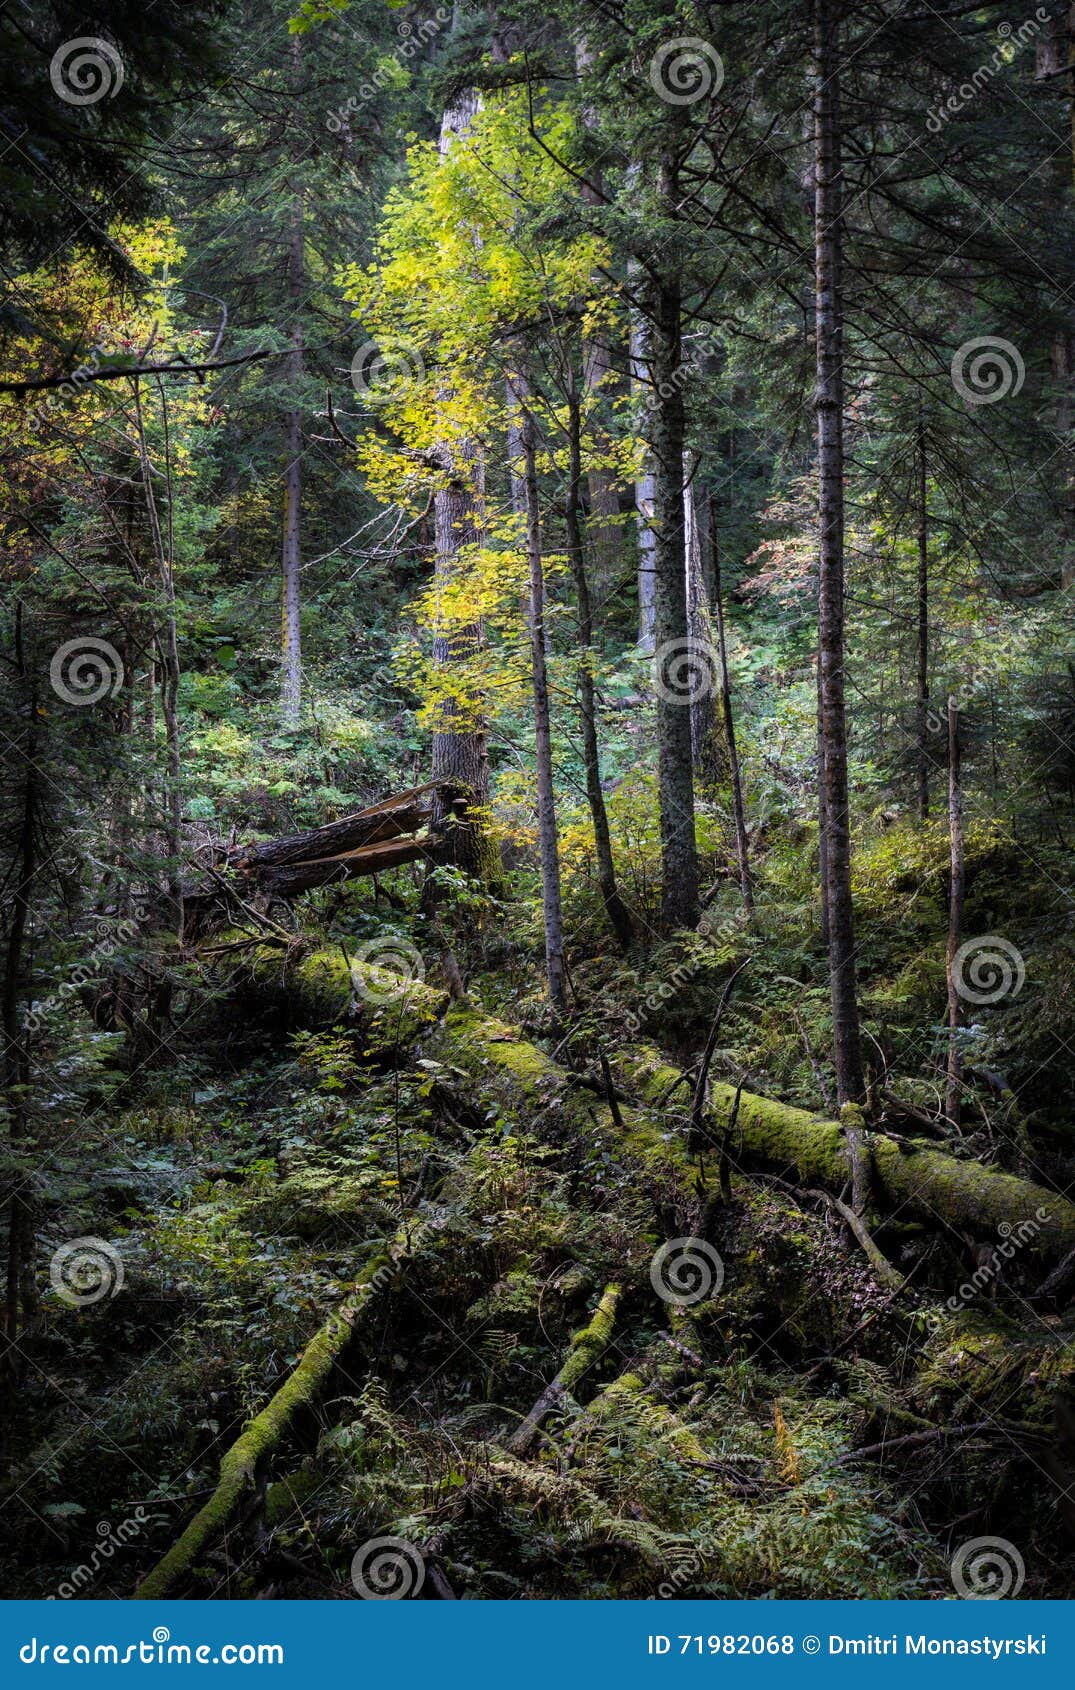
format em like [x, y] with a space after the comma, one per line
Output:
[537, 692]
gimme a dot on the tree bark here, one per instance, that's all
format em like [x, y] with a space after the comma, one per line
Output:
[742, 845]
[585, 1351]
[168, 645]
[922, 691]
[954, 1082]
[679, 856]
[460, 755]
[829, 410]
[706, 749]
[552, 909]
[291, 562]
[644, 496]
[244, 1463]
[603, 525]
[925, 1183]
[20, 1290]
[615, 908]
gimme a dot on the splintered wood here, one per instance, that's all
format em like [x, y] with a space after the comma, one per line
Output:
[380, 837]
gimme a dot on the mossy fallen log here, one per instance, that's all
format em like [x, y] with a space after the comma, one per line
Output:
[243, 1464]
[918, 1180]
[585, 1350]
[388, 1005]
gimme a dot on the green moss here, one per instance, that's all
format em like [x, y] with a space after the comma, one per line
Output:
[287, 1496]
[241, 1464]
[589, 1344]
[319, 987]
[922, 1181]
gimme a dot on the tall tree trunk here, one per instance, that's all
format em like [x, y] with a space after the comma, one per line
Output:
[829, 401]
[822, 820]
[742, 847]
[955, 915]
[615, 908]
[644, 493]
[603, 529]
[922, 695]
[679, 855]
[20, 1292]
[1055, 51]
[516, 477]
[548, 843]
[291, 564]
[706, 749]
[460, 754]
[164, 556]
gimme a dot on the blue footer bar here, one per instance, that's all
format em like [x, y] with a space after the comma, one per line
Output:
[516, 1645]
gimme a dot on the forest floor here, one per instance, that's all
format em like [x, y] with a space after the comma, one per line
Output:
[757, 1409]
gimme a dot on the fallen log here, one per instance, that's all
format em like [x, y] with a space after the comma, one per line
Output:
[585, 1350]
[389, 1007]
[366, 842]
[918, 1180]
[245, 1461]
